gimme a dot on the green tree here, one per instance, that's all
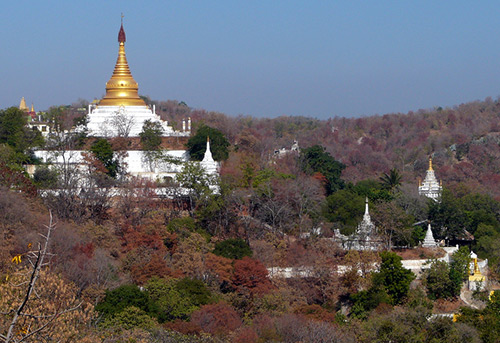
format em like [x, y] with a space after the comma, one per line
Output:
[194, 290]
[346, 208]
[129, 318]
[103, 151]
[393, 277]
[15, 133]
[371, 189]
[45, 177]
[218, 144]
[151, 136]
[170, 303]
[122, 297]
[391, 181]
[366, 301]
[233, 248]
[438, 282]
[316, 159]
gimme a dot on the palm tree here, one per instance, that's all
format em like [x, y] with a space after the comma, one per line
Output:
[392, 180]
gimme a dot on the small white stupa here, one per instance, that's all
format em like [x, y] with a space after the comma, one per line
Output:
[208, 163]
[429, 241]
[430, 187]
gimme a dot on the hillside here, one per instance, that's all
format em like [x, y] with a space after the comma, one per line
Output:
[126, 264]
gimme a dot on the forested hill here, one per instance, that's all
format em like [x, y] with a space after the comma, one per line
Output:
[463, 141]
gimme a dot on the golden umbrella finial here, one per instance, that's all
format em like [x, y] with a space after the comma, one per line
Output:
[122, 89]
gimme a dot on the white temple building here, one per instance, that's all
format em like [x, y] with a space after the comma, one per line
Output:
[430, 187]
[364, 238]
[122, 113]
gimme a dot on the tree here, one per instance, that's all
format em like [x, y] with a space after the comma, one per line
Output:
[438, 282]
[218, 144]
[151, 143]
[217, 318]
[196, 182]
[122, 297]
[394, 224]
[151, 135]
[15, 133]
[129, 318]
[346, 208]
[169, 303]
[54, 314]
[252, 275]
[392, 180]
[316, 159]
[393, 277]
[234, 248]
[103, 151]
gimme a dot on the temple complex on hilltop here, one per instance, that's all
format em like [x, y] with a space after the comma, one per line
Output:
[430, 187]
[122, 112]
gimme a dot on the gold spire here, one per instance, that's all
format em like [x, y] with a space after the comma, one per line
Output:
[32, 108]
[22, 105]
[430, 163]
[122, 89]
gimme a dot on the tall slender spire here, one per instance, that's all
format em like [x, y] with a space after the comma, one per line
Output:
[430, 163]
[122, 89]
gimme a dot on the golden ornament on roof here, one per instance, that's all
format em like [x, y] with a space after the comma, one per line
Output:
[122, 89]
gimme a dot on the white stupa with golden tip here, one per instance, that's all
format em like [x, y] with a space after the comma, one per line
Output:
[122, 112]
[430, 187]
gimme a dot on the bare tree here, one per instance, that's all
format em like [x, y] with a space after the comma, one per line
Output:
[34, 323]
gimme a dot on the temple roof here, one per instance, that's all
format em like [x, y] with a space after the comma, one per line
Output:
[122, 89]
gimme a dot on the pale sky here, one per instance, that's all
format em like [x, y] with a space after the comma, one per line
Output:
[261, 58]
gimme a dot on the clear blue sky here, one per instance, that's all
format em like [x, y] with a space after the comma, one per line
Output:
[262, 58]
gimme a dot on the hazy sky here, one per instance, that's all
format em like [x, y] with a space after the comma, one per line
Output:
[261, 58]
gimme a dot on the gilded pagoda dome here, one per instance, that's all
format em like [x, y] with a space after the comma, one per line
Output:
[122, 89]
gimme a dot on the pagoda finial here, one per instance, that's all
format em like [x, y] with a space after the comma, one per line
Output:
[121, 33]
[122, 89]
[430, 163]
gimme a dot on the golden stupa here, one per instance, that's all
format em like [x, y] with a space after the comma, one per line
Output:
[22, 105]
[122, 89]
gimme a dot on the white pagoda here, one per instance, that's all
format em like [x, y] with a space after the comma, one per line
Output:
[430, 187]
[429, 241]
[364, 238]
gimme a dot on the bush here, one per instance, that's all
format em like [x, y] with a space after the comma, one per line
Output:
[234, 249]
[122, 297]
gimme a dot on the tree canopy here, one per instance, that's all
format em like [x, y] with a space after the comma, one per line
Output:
[218, 144]
[316, 159]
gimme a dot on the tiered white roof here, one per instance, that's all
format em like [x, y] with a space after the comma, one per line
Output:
[208, 163]
[429, 241]
[430, 187]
